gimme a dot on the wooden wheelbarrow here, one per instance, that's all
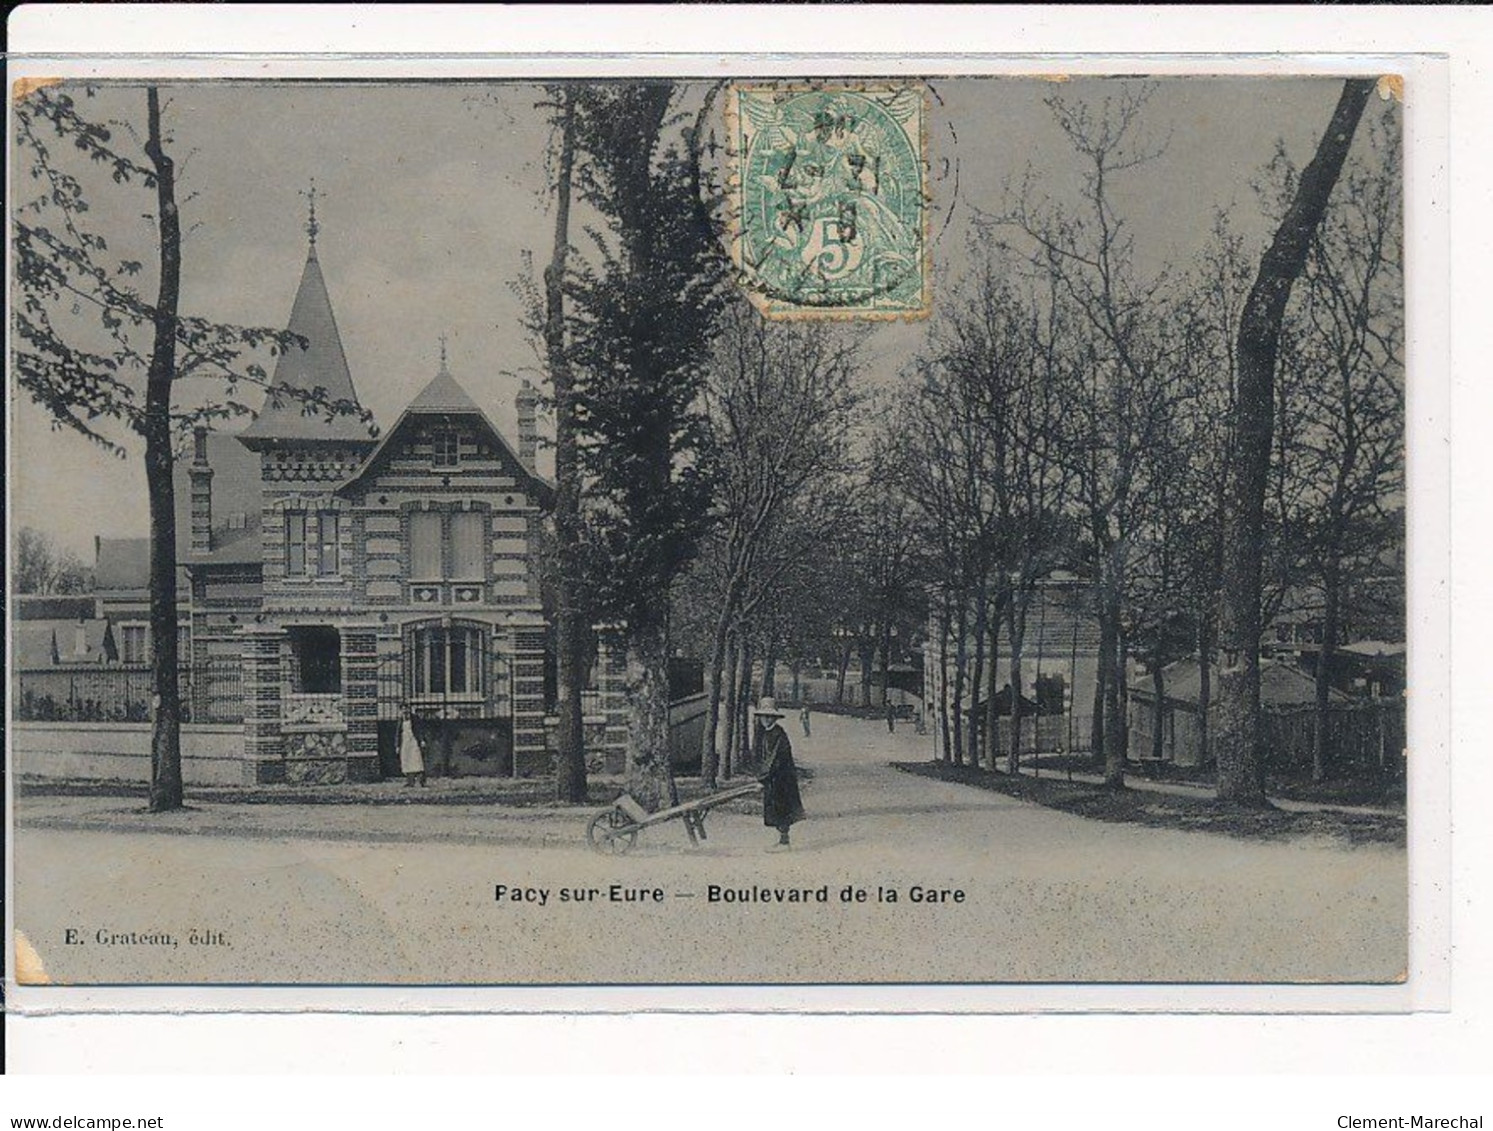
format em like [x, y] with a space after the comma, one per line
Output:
[615, 830]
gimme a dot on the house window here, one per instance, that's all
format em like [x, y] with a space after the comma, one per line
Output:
[316, 659]
[134, 644]
[313, 546]
[448, 546]
[447, 448]
[448, 661]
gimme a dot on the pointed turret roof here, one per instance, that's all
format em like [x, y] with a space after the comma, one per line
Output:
[321, 365]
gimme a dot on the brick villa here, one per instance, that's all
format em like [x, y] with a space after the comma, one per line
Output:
[332, 579]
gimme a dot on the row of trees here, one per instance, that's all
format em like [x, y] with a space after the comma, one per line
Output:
[1073, 409]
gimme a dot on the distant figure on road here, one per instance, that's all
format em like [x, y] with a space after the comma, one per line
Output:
[891, 717]
[781, 804]
[411, 760]
[803, 718]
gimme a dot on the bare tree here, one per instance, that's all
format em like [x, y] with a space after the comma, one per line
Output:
[1343, 384]
[1239, 762]
[1120, 409]
[37, 566]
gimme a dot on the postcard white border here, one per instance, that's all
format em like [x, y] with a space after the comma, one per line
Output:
[1431, 85]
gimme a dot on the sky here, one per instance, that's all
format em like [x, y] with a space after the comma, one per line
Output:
[430, 194]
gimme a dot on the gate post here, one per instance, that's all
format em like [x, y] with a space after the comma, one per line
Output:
[264, 751]
[360, 701]
[530, 753]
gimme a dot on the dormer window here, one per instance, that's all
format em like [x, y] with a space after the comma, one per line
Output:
[447, 447]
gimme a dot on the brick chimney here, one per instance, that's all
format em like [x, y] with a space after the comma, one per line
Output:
[528, 426]
[201, 474]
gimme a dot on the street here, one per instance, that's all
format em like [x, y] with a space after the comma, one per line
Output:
[1010, 892]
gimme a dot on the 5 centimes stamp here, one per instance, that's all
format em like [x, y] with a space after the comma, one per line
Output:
[831, 216]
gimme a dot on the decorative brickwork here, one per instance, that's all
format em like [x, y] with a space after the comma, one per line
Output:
[264, 751]
[360, 691]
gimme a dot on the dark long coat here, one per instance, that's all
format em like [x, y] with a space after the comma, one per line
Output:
[781, 804]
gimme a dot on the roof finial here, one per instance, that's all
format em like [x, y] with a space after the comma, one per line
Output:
[443, 353]
[312, 227]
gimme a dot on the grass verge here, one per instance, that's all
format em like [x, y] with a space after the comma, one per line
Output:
[1167, 811]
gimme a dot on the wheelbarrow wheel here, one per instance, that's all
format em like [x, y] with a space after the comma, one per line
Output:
[611, 831]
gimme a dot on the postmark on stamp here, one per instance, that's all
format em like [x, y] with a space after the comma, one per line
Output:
[831, 200]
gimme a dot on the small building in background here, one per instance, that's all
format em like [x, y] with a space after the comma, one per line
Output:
[1362, 735]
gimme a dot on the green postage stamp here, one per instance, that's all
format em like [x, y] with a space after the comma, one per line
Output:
[830, 185]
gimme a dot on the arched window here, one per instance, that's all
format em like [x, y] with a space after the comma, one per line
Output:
[448, 660]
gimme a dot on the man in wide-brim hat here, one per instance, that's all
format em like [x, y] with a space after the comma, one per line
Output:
[781, 804]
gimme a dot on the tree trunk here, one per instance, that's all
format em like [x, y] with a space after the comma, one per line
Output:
[961, 657]
[1331, 613]
[1158, 712]
[745, 747]
[1205, 684]
[1240, 778]
[1121, 701]
[844, 671]
[650, 774]
[943, 678]
[1016, 630]
[867, 650]
[972, 739]
[992, 691]
[1103, 675]
[1114, 690]
[770, 668]
[886, 659]
[733, 686]
[570, 763]
[710, 753]
[165, 739]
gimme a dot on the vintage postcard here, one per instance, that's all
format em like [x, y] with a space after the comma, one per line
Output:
[838, 530]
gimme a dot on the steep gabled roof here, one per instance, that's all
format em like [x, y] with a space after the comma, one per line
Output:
[444, 396]
[321, 365]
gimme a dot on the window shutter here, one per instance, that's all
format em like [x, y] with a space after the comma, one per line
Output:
[468, 543]
[425, 546]
[330, 563]
[295, 542]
